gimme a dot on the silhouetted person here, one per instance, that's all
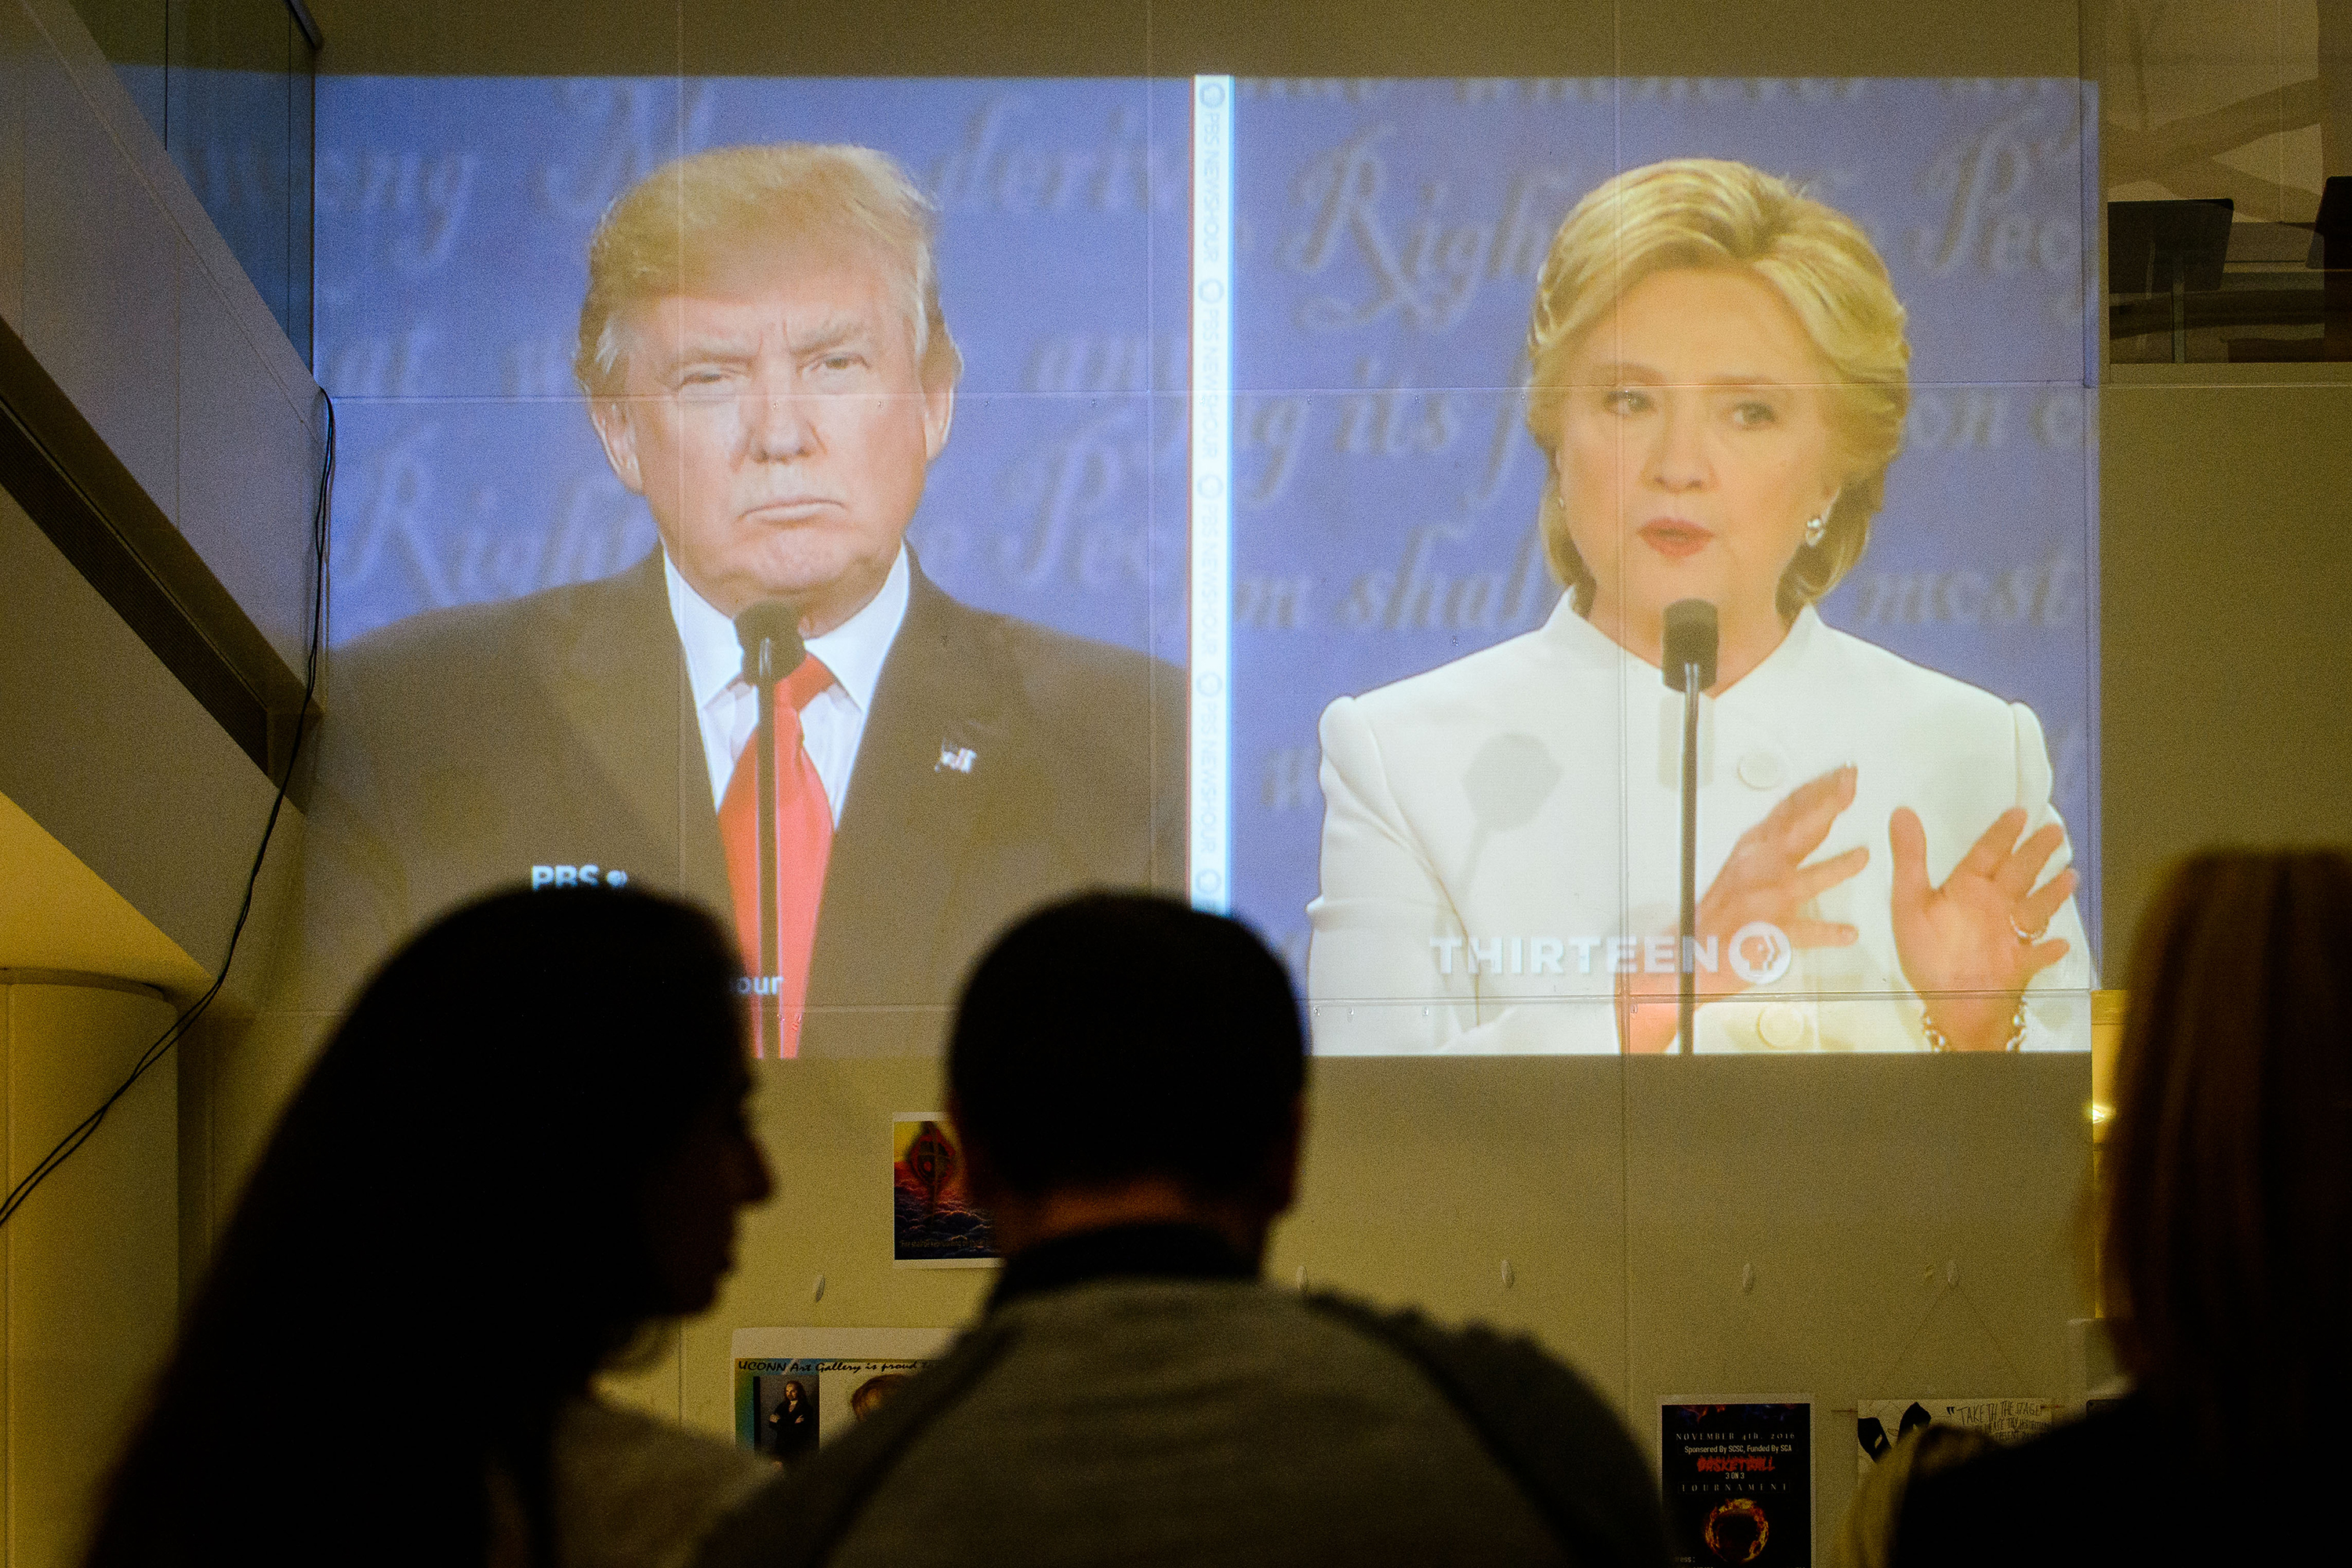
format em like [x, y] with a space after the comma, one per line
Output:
[2228, 1256]
[523, 1146]
[1127, 1078]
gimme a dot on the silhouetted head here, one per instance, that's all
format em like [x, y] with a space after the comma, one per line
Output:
[523, 1143]
[2229, 1202]
[1117, 1039]
[533, 1110]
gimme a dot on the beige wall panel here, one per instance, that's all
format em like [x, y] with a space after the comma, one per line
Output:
[244, 1071]
[110, 753]
[1389, 38]
[8, 1130]
[57, 913]
[969, 38]
[927, 38]
[1838, 37]
[1424, 1176]
[2226, 565]
[1849, 1184]
[826, 1128]
[100, 307]
[534, 37]
[92, 1257]
[1421, 1179]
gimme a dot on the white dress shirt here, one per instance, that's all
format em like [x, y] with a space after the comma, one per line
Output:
[832, 723]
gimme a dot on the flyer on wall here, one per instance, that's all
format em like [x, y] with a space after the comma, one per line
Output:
[934, 1223]
[1739, 1482]
[796, 1388]
[1880, 1424]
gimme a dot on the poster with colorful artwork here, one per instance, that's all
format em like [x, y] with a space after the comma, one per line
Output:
[933, 1222]
[1738, 1480]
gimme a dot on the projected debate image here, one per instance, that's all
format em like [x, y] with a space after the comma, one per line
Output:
[781, 491]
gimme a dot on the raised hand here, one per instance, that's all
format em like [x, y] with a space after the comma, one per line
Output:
[1970, 947]
[1765, 877]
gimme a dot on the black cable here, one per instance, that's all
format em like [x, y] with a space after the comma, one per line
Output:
[322, 506]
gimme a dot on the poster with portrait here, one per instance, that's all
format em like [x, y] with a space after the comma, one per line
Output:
[934, 1223]
[796, 1388]
[1738, 1479]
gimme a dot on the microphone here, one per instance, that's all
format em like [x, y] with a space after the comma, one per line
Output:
[1692, 636]
[770, 633]
[1691, 639]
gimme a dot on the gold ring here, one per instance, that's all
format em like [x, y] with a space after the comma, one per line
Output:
[2028, 938]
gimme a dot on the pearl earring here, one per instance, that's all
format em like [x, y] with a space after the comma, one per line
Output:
[1814, 528]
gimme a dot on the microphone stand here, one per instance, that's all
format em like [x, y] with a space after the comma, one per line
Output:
[1687, 945]
[764, 771]
[1691, 634]
[770, 633]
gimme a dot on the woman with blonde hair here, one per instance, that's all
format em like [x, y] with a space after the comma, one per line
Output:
[1719, 377]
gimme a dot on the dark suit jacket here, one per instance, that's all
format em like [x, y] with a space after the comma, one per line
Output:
[465, 747]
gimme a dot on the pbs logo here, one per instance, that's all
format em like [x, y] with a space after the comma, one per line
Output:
[1760, 952]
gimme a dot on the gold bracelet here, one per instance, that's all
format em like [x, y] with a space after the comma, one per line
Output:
[1940, 1041]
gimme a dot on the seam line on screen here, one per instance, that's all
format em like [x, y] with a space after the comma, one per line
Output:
[1209, 855]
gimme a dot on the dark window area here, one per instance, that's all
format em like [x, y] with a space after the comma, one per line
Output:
[228, 84]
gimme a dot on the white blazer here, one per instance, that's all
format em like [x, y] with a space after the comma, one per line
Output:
[1501, 830]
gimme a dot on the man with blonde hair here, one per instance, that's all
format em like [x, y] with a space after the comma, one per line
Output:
[768, 367]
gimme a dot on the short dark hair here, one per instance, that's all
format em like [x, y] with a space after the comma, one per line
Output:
[2228, 1225]
[1115, 1036]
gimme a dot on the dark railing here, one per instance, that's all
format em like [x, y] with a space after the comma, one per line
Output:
[2266, 292]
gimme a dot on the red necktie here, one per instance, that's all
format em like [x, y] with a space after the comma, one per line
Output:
[803, 839]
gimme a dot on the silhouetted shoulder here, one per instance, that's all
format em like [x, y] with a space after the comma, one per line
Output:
[2121, 1485]
[1551, 1430]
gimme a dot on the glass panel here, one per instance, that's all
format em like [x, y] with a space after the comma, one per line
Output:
[240, 69]
[2215, 121]
[131, 35]
[226, 86]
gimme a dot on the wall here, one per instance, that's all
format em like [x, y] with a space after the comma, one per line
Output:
[2228, 567]
[90, 1266]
